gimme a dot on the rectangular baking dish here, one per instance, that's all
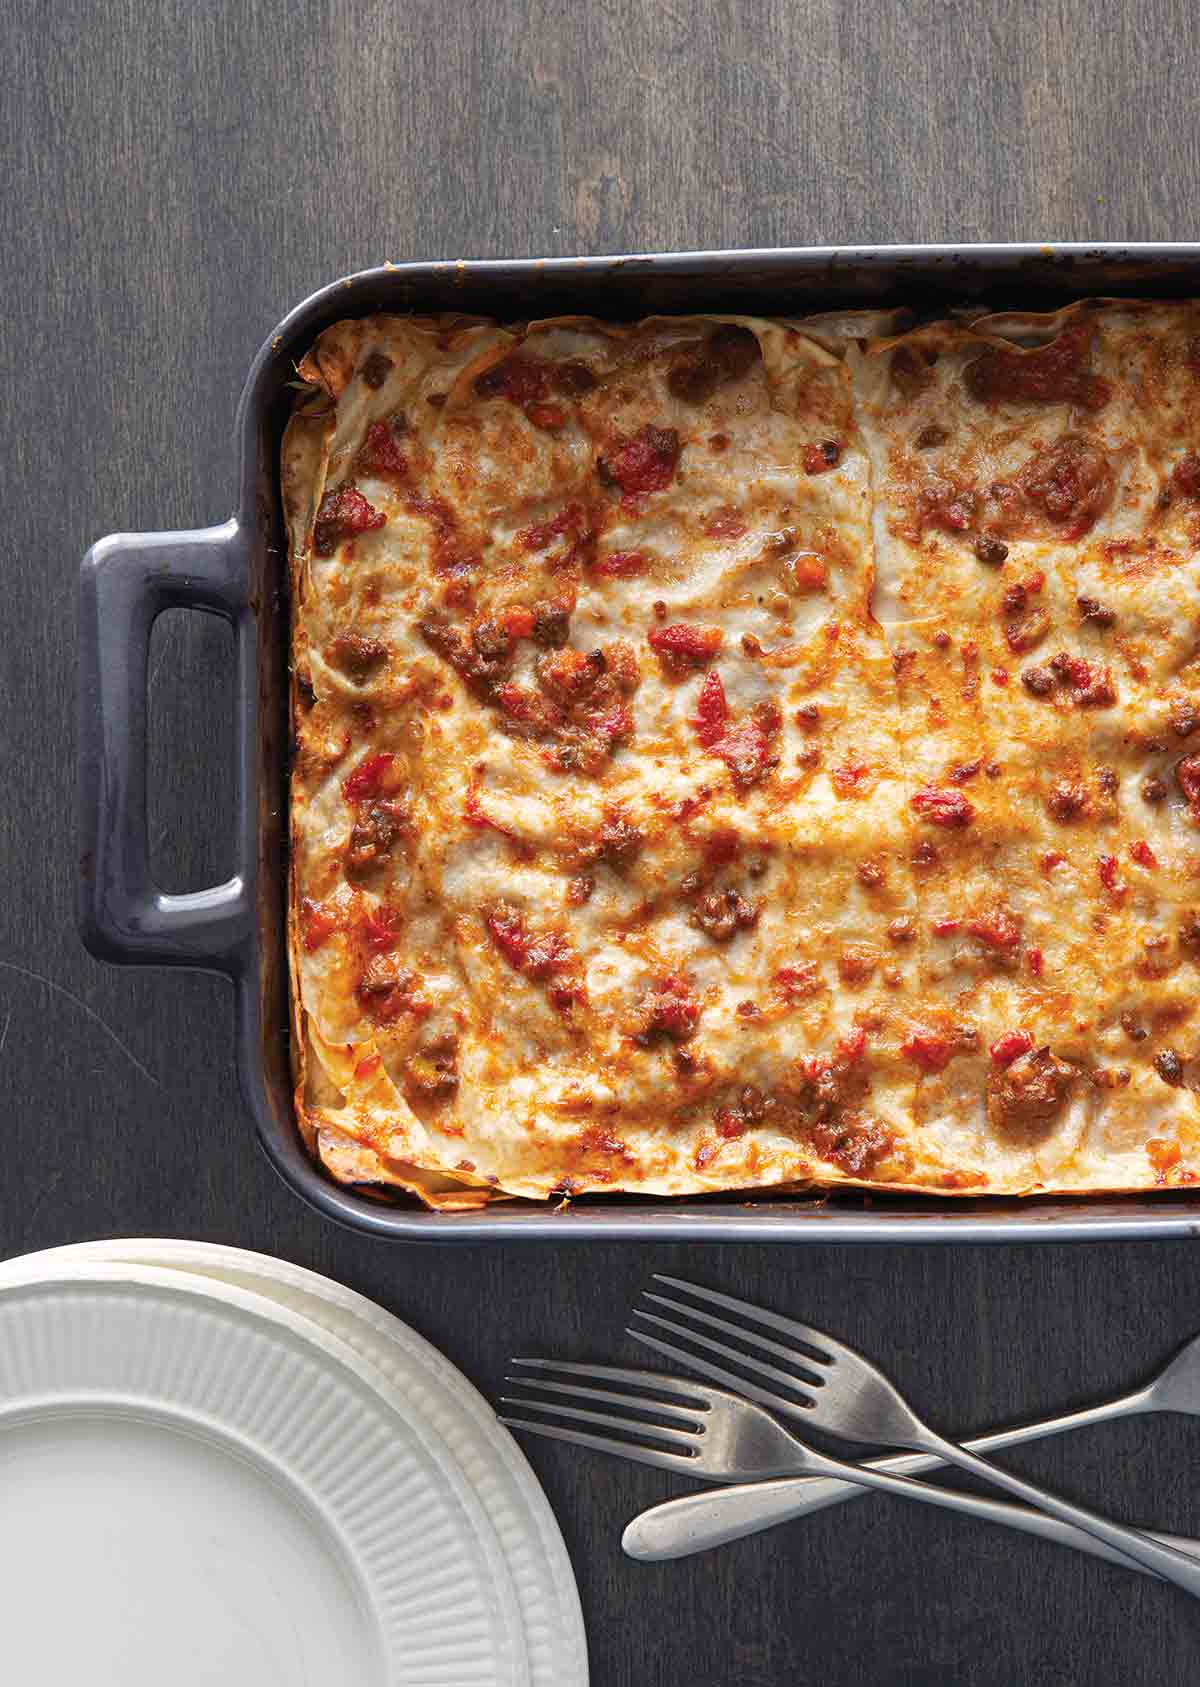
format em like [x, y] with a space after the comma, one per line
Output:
[238, 570]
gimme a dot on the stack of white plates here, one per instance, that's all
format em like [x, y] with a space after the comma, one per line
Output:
[216, 1468]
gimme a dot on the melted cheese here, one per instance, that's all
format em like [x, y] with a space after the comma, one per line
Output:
[736, 753]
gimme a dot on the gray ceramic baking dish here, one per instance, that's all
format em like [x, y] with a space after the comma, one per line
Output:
[237, 570]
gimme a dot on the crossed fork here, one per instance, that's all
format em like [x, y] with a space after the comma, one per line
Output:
[732, 1433]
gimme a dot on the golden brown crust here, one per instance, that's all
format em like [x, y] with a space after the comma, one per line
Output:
[724, 749]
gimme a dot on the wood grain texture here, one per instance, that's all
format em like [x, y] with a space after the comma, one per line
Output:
[177, 174]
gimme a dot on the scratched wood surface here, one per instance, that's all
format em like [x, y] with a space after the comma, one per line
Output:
[172, 177]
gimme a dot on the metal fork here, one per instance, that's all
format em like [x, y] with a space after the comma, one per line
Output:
[722, 1437]
[840, 1393]
[697, 1522]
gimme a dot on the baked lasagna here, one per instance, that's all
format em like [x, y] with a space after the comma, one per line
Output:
[735, 753]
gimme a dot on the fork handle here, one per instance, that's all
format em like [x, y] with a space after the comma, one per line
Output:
[1164, 1561]
[697, 1522]
[679, 1527]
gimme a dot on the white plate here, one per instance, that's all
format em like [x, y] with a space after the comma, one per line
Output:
[418, 1381]
[199, 1485]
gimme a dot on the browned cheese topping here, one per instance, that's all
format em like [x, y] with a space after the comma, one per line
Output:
[735, 753]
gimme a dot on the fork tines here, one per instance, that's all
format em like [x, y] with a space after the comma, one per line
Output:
[639, 1395]
[805, 1357]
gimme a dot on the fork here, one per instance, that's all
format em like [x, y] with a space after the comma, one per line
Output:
[701, 1520]
[840, 1393]
[723, 1437]
[697, 1522]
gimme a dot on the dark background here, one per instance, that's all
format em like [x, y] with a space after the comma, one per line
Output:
[177, 176]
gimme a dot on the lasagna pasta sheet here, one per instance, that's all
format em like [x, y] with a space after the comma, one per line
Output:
[736, 753]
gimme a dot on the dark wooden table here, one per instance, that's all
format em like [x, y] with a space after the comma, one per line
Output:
[178, 173]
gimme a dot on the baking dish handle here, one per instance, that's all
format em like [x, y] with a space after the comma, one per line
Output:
[126, 581]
